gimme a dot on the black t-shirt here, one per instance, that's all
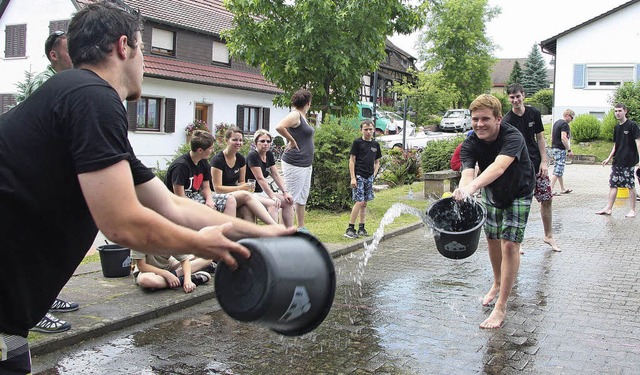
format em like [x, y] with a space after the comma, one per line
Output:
[230, 175]
[253, 160]
[366, 153]
[556, 134]
[529, 124]
[184, 172]
[518, 181]
[74, 123]
[624, 136]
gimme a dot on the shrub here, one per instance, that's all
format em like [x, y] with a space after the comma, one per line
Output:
[437, 154]
[585, 127]
[629, 95]
[608, 125]
[544, 97]
[400, 167]
[330, 187]
[504, 100]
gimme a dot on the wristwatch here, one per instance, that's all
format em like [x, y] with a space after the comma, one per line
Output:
[569, 150]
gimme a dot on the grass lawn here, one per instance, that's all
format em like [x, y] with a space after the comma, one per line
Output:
[598, 148]
[329, 227]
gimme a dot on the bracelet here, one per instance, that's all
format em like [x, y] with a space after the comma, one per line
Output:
[569, 150]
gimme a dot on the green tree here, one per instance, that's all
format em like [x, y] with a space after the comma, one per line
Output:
[516, 74]
[323, 45]
[455, 42]
[31, 83]
[534, 77]
[430, 94]
[629, 95]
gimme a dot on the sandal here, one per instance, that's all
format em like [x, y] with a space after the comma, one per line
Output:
[567, 191]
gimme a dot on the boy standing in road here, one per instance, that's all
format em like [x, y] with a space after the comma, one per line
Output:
[364, 161]
[528, 120]
[506, 176]
[561, 143]
[626, 147]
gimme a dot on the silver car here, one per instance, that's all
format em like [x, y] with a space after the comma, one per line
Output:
[456, 120]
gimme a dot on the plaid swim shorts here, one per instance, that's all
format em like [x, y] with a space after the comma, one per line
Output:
[363, 190]
[560, 157]
[507, 223]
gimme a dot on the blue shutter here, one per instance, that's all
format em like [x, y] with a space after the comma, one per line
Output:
[637, 72]
[579, 76]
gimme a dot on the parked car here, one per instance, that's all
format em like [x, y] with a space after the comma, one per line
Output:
[456, 120]
[365, 111]
[397, 119]
[415, 139]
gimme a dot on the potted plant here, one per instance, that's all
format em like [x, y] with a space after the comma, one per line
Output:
[193, 126]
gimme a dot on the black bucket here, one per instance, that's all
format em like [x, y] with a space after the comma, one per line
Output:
[287, 284]
[456, 225]
[115, 260]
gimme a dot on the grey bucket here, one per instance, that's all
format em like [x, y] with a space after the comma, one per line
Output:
[456, 226]
[288, 284]
[115, 260]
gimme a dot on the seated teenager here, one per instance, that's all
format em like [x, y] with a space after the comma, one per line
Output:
[163, 271]
[228, 170]
[262, 164]
[189, 175]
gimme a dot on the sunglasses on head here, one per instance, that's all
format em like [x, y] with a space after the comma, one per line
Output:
[264, 141]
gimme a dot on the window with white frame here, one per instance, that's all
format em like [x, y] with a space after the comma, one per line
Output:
[251, 118]
[163, 42]
[220, 53]
[598, 76]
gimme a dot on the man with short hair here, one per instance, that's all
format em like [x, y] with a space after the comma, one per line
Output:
[55, 48]
[72, 134]
[561, 147]
[625, 154]
[528, 121]
[507, 178]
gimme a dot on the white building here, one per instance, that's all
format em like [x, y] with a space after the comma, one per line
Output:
[593, 58]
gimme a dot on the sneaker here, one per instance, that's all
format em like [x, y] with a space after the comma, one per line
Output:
[637, 197]
[51, 324]
[200, 277]
[363, 232]
[211, 268]
[351, 233]
[63, 306]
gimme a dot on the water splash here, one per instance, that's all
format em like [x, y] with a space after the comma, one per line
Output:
[392, 213]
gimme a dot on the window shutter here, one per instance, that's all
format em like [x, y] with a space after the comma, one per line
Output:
[170, 115]
[15, 41]
[62, 25]
[265, 118]
[578, 76]
[240, 117]
[132, 114]
[162, 39]
[637, 72]
[220, 52]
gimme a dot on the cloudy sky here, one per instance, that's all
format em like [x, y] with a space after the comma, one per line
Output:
[525, 22]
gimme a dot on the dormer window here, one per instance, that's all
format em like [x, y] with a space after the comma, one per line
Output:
[220, 53]
[163, 42]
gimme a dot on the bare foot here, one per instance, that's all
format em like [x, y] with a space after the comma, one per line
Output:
[521, 251]
[489, 297]
[604, 211]
[552, 242]
[631, 213]
[494, 320]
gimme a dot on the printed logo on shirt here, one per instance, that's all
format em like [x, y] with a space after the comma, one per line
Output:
[374, 149]
[531, 124]
[626, 132]
[237, 170]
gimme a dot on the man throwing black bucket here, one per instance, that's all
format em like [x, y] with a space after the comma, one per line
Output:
[507, 179]
[67, 169]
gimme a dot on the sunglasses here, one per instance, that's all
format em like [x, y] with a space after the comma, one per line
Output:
[55, 35]
[264, 141]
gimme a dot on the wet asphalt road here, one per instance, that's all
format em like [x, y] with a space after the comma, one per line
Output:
[416, 312]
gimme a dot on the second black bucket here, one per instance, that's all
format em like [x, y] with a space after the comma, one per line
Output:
[288, 284]
[115, 260]
[456, 225]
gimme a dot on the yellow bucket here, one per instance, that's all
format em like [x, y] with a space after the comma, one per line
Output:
[623, 193]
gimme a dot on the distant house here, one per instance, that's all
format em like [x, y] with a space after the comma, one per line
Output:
[593, 58]
[502, 70]
[188, 71]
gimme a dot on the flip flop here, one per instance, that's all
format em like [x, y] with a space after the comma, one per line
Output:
[603, 213]
[555, 194]
[567, 191]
